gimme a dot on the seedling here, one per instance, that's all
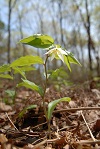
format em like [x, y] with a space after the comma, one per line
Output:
[52, 51]
[59, 78]
[11, 94]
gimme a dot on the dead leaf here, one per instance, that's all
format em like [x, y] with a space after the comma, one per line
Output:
[3, 139]
[72, 104]
[97, 126]
[97, 92]
[66, 146]
[4, 107]
[80, 146]
[47, 147]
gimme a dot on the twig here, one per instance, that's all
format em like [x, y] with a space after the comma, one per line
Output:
[88, 127]
[56, 139]
[43, 142]
[78, 142]
[77, 109]
[39, 144]
[53, 140]
[39, 140]
[87, 142]
[11, 121]
[39, 125]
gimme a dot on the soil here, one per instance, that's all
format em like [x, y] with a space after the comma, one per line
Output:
[74, 125]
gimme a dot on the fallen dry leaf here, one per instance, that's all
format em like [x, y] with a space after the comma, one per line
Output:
[97, 126]
[66, 146]
[3, 139]
[4, 107]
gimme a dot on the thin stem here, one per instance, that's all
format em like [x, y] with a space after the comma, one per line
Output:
[43, 97]
[49, 130]
[45, 87]
[14, 84]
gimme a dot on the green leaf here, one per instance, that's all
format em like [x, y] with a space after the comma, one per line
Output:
[66, 60]
[55, 73]
[5, 68]
[25, 68]
[11, 93]
[52, 105]
[31, 85]
[69, 58]
[6, 76]
[25, 109]
[22, 70]
[17, 70]
[31, 107]
[38, 41]
[60, 72]
[96, 79]
[72, 59]
[27, 60]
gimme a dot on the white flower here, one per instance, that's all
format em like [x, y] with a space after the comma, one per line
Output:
[66, 56]
[56, 53]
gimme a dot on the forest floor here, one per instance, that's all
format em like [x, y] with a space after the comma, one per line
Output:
[74, 125]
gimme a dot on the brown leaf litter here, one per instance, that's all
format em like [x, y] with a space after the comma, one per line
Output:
[74, 125]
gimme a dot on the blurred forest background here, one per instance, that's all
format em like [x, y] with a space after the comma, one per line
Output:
[74, 24]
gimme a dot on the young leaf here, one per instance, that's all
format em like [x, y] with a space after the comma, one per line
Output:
[25, 68]
[31, 107]
[38, 41]
[60, 72]
[69, 58]
[22, 70]
[5, 68]
[17, 70]
[27, 60]
[52, 105]
[72, 59]
[6, 76]
[11, 93]
[31, 85]
[66, 60]
[25, 109]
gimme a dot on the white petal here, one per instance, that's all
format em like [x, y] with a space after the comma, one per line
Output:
[62, 51]
[61, 56]
[50, 51]
[52, 57]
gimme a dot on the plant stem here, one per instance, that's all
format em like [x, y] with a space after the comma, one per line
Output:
[45, 87]
[49, 130]
[13, 98]
[43, 97]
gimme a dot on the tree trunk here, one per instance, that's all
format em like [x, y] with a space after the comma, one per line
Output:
[53, 22]
[87, 26]
[10, 7]
[98, 63]
[21, 34]
[9, 32]
[60, 21]
[89, 36]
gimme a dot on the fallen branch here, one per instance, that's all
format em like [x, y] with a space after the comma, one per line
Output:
[88, 142]
[77, 109]
[82, 142]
